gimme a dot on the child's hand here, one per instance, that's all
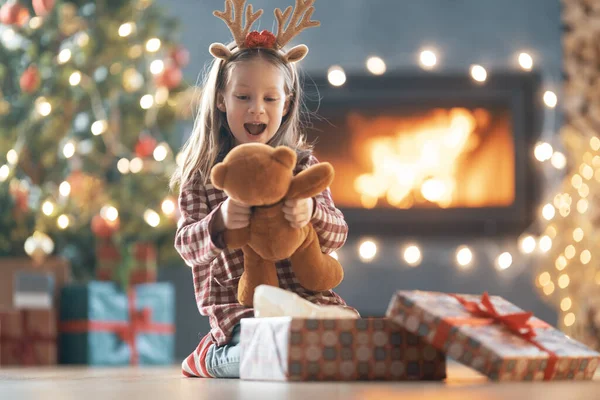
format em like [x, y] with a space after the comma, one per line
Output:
[298, 212]
[235, 215]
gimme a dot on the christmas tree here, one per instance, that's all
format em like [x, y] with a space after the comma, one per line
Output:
[569, 273]
[88, 112]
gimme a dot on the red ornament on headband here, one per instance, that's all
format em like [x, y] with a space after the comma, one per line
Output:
[260, 39]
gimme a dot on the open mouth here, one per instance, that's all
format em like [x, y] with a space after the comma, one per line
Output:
[255, 129]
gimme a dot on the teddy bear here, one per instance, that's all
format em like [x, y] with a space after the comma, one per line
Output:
[262, 176]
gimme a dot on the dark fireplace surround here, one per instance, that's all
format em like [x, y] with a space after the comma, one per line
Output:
[517, 93]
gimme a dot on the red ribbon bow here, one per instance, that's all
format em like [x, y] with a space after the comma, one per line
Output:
[486, 314]
[260, 39]
[517, 322]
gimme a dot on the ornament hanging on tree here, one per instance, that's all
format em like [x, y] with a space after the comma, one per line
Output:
[30, 80]
[170, 77]
[43, 7]
[145, 145]
[38, 247]
[20, 194]
[104, 228]
[13, 13]
[181, 56]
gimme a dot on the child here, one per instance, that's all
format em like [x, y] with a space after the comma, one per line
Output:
[251, 94]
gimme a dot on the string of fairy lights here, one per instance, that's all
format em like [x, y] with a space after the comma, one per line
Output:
[464, 255]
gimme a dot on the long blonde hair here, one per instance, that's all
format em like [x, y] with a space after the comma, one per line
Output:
[211, 139]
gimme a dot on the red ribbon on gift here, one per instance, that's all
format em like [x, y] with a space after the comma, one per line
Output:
[486, 314]
[23, 346]
[140, 321]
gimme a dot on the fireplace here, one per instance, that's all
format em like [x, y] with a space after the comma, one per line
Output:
[430, 154]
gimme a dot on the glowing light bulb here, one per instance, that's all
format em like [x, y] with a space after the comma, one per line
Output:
[464, 256]
[478, 73]
[160, 152]
[569, 319]
[99, 127]
[153, 45]
[157, 66]
[367, 250]
[427, 59]
[123, 166]
[336, 75]
[64, 189]
[504, 261]
[69, 150]
[545, 243]
[63, 222]
[525, 61]
[12, 157]
[543, 151]
[126, 29]
[548, 212]
[528, 244]
[376, 66]
[136, 165]
[558, 160]
[550, 99]
[168, 206]
[75, 78]
[412, 255]
[152, 218]
[147, 101]
[64, 56]
[48, 208]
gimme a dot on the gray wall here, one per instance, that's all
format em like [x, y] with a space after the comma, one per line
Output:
[489, 32]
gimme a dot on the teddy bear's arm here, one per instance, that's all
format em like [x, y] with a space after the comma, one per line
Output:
[311, 181]
[236, 238]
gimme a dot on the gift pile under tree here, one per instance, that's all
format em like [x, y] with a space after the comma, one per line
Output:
[90, 96]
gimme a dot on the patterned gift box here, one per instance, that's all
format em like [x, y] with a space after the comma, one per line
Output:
[493, 336]
[27, 337]
[296, 349]
[102, 325]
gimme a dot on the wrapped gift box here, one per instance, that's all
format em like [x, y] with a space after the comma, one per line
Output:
[102, 325]
[139, 262]
[57, 267]
[493, 336]
[27, 337]
[296, 349]
[145, 261]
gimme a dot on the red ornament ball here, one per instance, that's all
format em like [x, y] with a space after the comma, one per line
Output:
[43, 7]
[170, 77]
[13, 13]
[104, 228]
[181, 56]
[30, 80]
[145, 146]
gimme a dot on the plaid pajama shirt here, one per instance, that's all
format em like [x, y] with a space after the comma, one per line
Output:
[217, 271]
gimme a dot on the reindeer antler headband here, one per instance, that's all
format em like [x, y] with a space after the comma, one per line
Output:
[299, 21]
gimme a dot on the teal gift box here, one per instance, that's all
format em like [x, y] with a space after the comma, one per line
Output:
[100, 324]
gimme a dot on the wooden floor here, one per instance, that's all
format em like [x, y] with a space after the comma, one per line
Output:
[167, 383]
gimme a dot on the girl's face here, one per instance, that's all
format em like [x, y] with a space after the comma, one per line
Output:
[254, 100]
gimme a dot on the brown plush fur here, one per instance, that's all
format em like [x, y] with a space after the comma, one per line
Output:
[262, 176]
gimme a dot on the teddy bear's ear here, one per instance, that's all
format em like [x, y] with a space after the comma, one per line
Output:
[285, 156]
[217, 175]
